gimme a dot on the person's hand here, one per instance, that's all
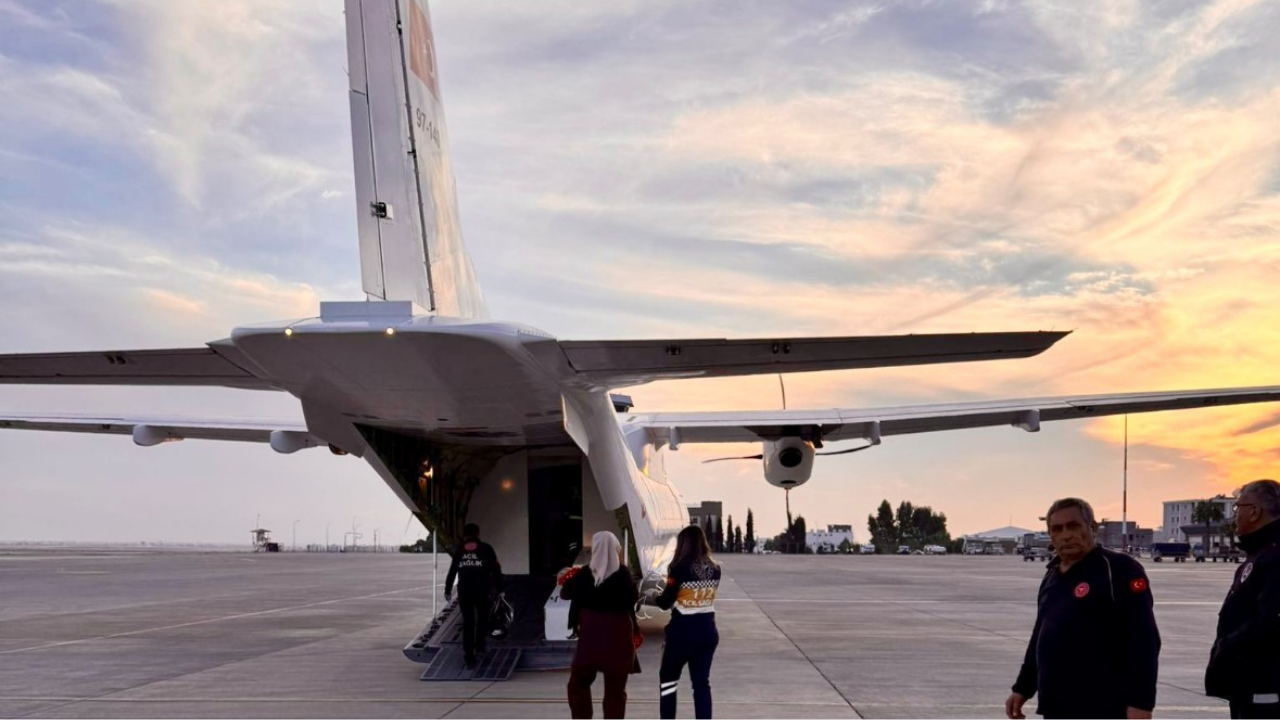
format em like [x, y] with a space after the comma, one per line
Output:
[448, 596]
[1013, 706]
[1134, 713]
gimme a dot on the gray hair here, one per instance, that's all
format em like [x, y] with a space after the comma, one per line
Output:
[1267, 494]
[1085, 509]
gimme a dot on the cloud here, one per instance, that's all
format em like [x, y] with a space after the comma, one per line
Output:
[725, 169]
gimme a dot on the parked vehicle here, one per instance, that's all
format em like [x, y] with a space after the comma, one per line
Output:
[867, 550]
[1177, 552]
[934, 550]
[1036, 553]
[1227, 554]
[904, 549]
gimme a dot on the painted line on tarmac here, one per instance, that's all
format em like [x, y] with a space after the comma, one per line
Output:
[210, 620]
[794, 601]
[403, 701]
[548, 701]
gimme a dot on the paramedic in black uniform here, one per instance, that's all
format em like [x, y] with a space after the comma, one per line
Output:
[1095, 646]
[1244, 665]
[476, 564]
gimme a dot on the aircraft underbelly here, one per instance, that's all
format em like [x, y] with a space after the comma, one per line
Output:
[456, 387]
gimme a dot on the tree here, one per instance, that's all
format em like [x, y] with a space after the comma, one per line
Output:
[799, 537]
[751, 532]
[846, 547]
[1209, 513]
[737, 539]
[729, 533]
[911, 525]
[906, 532]
[881, 526]
[928, 527]
[717, 542]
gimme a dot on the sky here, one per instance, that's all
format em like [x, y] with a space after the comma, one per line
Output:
[661, 169]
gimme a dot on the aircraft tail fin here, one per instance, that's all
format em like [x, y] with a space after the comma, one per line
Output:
[411, 244]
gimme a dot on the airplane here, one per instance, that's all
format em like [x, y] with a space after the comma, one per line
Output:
[471, 419]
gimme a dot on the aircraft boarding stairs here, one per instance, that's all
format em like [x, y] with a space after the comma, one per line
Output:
[526, 647]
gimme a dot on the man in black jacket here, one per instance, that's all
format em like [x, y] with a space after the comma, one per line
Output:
[1244, 665]
[1095, 647]
[476, 563]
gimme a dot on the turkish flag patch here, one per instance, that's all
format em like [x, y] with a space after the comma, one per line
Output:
[470, 547]
[1082, 589]
[1138, 585]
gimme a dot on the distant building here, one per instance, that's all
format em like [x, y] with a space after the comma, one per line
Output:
[1009, 531]
[1033, 540]
[1112, 534]
[828, 540]
[977, 545]
[1178, 513]
[1001, 541]
[707, 510]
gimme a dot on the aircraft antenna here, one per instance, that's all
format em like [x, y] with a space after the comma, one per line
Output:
[783, 385]
[406, 528]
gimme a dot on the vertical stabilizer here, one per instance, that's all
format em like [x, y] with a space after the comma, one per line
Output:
[410, 241]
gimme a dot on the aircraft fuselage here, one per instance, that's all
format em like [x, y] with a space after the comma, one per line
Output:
[466, 393]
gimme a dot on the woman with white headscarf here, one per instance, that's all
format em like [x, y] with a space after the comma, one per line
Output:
[604, 600]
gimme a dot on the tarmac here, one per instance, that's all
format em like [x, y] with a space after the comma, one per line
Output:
[106, 634]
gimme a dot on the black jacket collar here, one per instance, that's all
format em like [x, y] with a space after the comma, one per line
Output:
[1268, 534]
[1090, 557]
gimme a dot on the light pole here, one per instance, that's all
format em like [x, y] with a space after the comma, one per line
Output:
[326, 536]
[375, 538]
[1124, 494]
[295, 536]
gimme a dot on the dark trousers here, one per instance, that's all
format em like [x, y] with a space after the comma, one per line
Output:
[475, 624]
[1246, 708]
[581, 678]
[691, 640]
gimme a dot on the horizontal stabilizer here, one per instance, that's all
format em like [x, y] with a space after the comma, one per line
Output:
[873, 423]
[619, 363]
[207, 366]
[284, 436]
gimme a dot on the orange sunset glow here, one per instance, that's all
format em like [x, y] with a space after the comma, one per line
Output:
[656, 171]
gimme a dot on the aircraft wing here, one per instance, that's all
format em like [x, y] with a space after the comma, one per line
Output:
[283, 435]
[219, 364]
[619, 363]
[871, 424]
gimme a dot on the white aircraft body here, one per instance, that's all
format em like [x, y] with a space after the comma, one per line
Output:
[471, 419]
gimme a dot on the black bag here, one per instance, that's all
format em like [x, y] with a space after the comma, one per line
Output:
[500, 618]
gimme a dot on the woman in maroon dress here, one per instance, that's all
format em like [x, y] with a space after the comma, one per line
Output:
[604, 601]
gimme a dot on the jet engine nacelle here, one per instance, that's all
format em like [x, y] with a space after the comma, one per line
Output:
[788, 462]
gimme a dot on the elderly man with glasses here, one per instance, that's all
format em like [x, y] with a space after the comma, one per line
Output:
[1244, 665]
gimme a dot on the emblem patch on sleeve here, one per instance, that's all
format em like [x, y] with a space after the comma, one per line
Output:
[1082, 589]
[1138, 585]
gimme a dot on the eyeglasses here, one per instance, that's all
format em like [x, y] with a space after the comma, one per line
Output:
[1241, 505]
